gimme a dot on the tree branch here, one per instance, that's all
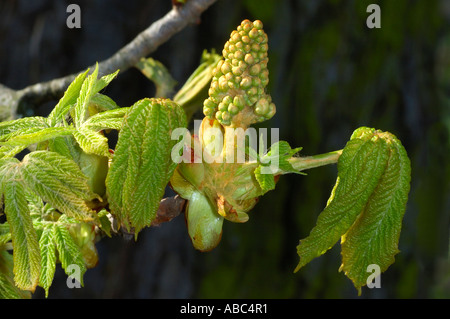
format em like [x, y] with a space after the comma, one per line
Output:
[145, 43]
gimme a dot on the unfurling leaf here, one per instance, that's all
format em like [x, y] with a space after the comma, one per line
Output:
[88, 90]
[39, 135]
[195, 90]
[23, 125]
[68, 100]
[266, 181]
[110, 119]
[360, 166]
[8, 290]
[91, 142]
[366, 205]
[373, 238]
[276, 161]
[158, 74]
[58, 181]
[101, 102]
[142, 164]
[47, 246]
[103, 82]
[68, 251]
[24, 238]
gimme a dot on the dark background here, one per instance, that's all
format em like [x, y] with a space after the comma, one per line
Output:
[329, 74]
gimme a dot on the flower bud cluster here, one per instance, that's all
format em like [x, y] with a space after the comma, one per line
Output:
[237, 93]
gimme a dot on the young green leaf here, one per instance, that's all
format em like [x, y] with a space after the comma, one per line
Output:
[47, 247]
[103, 82]
[7, 168]
[158, 74]
[195, 90]
[360, 167]
[68, 100]
[142, 164]
[366, 206]
[24, 238]
[68, 251]
[58, 181]
[88, 90]
[111, 119]
[105, 223]
[373, 238]
[5, 234]
[64, 145]
[10, 151]
[8, 290]
[266, 181]
[23, 125]
[91, 141]
[103, 103]
[38, 136]
[276, 161]
[279, 153]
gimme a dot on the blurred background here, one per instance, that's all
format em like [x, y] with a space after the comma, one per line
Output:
[329, 74]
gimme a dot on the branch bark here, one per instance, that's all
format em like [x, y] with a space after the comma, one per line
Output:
[145, 43]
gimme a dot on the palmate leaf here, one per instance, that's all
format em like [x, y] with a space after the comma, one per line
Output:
[359, 168]
[366, 205]
[24, 238]
[142, 164]
[82, 91]
[373, 238]
[58, 181]
[57, 243]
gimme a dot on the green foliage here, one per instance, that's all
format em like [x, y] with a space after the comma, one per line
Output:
[64, 194]
[143, 159]
[58, 181]
[158, 74]
[61, 173]
[195, 90]
[8, 289]
[366, 206]
[278, 157]
[24, 238]
[47, 246]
